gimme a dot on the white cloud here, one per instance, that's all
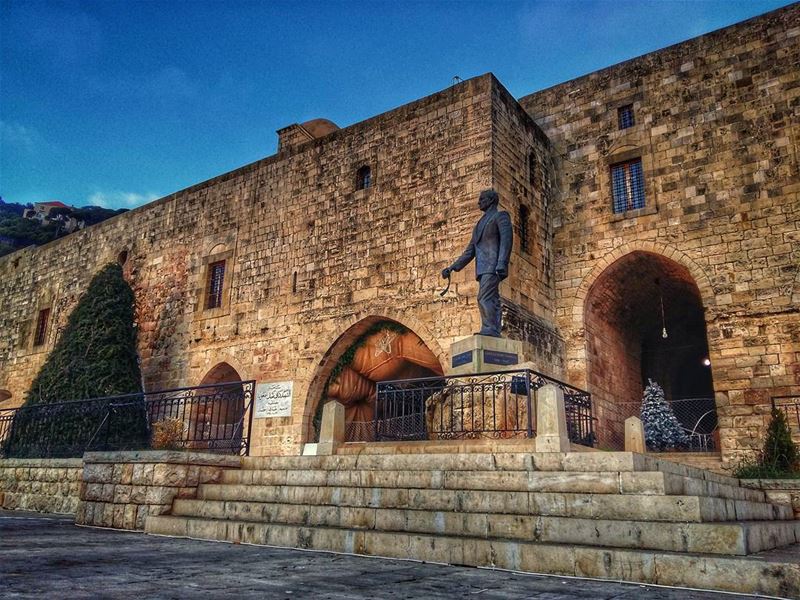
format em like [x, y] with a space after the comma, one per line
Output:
[19, 136]
[117, 199]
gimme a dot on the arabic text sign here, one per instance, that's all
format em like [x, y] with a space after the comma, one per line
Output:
[273, 399]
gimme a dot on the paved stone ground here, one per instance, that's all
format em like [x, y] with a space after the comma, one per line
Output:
[45, 556]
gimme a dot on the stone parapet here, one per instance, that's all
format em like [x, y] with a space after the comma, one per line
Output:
[120, 489]
[40, 484]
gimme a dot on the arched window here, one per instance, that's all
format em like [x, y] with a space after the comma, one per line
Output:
[364, 178]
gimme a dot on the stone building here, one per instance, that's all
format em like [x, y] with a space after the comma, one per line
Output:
[657, 215]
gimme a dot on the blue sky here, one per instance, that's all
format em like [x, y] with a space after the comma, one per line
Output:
[118, 103]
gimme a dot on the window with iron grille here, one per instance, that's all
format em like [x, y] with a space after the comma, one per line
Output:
[216, 277]
[41, 327]
[625, 116]
[364, 178]
[524, 236]
[627, 182]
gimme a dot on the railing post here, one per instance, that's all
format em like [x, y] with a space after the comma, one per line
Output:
[551, 420]
[529, 403]
[251, 409]
[634, 435]
[378, 394]
[331, 434]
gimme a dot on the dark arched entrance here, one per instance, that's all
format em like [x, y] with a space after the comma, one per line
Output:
[644, 319]
[217, 417]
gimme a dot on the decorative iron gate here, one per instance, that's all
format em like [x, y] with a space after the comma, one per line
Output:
[486, 405]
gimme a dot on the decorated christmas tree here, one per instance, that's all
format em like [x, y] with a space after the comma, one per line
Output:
[662, 430]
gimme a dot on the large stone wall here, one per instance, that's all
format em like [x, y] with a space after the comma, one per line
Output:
[312, 261]
[308, 257]
[40, 485]
[717, 124]
[121, 489]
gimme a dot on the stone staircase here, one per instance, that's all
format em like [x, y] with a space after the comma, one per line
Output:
[708, 461]
[619, 516]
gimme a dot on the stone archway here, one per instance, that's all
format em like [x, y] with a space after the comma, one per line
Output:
[218, 411]
[375, 348]
[221, 373]
[626, 344]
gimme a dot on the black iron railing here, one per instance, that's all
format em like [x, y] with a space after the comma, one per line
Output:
[215, 417]
[790, 405]
[6, 418]
[487, 405]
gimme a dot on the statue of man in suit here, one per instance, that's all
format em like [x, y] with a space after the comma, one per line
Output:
[491, 247]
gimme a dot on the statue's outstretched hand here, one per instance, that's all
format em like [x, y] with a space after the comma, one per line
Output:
[446, 272]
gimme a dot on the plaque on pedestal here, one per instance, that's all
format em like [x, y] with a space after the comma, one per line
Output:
[482, 353]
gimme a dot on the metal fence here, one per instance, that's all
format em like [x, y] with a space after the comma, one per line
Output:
[215, 417]
[697, 418]
[486, 405]
[790, 405]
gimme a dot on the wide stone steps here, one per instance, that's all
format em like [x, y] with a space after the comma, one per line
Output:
[694, 509]
[776, 573]
[740, 538]
[571, 461]
[602, 482]
[597, 514]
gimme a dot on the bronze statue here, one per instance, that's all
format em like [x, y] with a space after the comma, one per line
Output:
[490, 245]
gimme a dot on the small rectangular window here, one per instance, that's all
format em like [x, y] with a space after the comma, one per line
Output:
[627, 182]
[216, 277]
[524, 237]
[625, 116]
[364, 178]
[41, 327]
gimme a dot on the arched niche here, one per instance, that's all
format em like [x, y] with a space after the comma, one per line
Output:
[372, 350]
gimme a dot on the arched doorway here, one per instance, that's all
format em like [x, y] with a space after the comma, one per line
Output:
[216, 418]
[644, 319]
[374, 349]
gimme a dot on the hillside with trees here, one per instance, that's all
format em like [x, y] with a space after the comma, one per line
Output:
[18, 232]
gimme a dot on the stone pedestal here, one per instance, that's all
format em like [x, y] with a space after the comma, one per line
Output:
[634, 435]
[331, 433]
[551, 421]
[481, 354]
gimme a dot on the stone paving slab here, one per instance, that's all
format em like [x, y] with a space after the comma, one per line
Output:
[46, 556]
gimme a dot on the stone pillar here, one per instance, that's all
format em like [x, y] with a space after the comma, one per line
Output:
[634, 435]
[551, 420]
[331, 434]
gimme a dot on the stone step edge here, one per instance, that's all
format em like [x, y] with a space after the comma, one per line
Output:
[737, 534]
[570, 496]
[583, 462]
[670, 480]
[701, 571]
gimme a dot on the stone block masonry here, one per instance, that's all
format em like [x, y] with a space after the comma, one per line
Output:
[41, 485]
[120, 489]
[784, 491]
[717, 119]
[310, 259]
